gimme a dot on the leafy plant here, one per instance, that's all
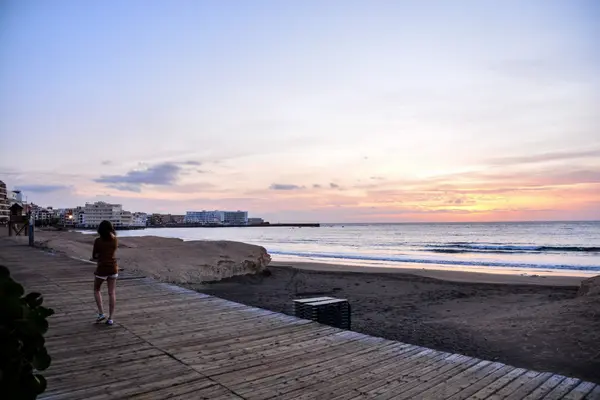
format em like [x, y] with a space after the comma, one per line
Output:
[22, 347]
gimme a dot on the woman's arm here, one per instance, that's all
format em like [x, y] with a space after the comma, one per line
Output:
[95, 251]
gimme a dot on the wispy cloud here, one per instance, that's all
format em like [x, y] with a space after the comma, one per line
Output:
[284, 186]
[42, 188]
[162, 174]
[547, 157]
[334, 186]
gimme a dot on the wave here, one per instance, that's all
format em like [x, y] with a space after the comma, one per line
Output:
[408, 259]
[465, 247]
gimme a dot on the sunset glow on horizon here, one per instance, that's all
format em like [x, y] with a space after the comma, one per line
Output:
[335, 111]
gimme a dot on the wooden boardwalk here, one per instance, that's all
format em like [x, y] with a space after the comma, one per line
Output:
[170, 342]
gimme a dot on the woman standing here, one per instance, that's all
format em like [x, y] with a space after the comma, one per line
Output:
[107, 270]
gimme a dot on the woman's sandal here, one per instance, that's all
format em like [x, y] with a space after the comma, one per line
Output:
[109, 322]
[101, 317]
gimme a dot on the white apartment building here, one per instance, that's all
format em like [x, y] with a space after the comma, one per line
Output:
[42, 214]
[140, 219]
[126, 218]
[99, 211]
[4, 212]
[235, 217]
[79, 216]
[204, 217]
[216, 217]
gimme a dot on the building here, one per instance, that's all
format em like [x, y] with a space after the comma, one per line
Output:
[204, 217]
[216, 217]
[79, 216]
[140, 219]
[177, 219]
[17, 197]
[235, 217]
[67, 217]
[126, 218]
[4, 213]
[159, 219]
[41, 215]
[256, 221]
[99, 211]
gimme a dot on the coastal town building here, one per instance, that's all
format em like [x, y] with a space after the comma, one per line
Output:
[99, 211]
[67, 217]
[4, 204]
[79, 216]
[216, 217]
[256, 221]
[165, 219]
[140, 219]
[126, 218]
[235, 217]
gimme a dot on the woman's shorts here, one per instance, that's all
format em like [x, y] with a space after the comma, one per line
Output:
[114, 276]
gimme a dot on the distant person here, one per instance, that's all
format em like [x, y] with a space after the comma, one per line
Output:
[107, 270]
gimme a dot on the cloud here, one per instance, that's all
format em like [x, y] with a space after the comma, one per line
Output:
[106, 162]
[196, 163]
[545, 157]
[126, 187]
[316, 186]
[42, 188]
[162, 174]
[334, 185]
[284, 186]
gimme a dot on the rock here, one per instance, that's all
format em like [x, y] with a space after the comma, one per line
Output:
[590, 287]
[168, 259]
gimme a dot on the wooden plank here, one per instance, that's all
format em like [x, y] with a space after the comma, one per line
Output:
[562, 389]
[529, 386]
[112, 389]
[594, 394]
[580, 391]
[450, 386]
[406, 378]
[274, 359]
[411, 389]
[327, 372]
[545, 388]
[307, 357]
[497, 384]
[342, 375]
[412, 362]
[292, 346]
[517, 385]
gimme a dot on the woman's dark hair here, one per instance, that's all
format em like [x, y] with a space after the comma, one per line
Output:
[106, 229]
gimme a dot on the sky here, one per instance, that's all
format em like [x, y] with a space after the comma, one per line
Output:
[330, 111]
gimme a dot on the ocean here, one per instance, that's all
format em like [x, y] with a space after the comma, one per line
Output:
[522, 246]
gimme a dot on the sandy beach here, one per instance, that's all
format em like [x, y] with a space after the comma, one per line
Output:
[534, 320]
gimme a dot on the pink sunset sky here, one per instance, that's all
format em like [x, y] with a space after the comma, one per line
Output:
[338, 111]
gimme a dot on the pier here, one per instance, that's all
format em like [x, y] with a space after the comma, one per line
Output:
[170, 342]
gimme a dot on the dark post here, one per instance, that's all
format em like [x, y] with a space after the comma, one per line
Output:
[31, 228]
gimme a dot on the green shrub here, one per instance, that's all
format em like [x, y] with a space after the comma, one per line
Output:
[22, 351]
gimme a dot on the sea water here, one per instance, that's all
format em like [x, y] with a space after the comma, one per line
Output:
[535, 246]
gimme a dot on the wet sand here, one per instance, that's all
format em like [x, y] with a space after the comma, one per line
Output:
[530, 322]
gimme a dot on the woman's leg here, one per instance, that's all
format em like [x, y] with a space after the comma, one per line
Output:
[98, 295]
[112, 296]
